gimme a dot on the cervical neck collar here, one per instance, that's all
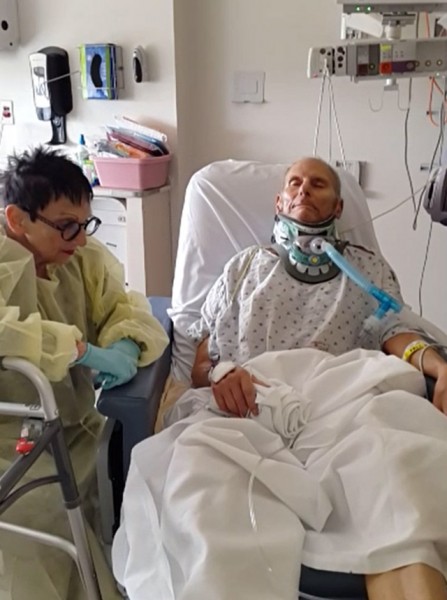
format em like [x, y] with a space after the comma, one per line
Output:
[293, 244]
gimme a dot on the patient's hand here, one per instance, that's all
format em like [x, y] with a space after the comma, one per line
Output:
[236, 393]
[440, 395]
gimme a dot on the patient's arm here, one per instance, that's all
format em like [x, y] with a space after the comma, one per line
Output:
[202, 365]
[235, 393]
[433, 364]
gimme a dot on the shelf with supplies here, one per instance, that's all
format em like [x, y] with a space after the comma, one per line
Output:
[136, 227]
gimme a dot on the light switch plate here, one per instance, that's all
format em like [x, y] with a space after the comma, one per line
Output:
[248, 86]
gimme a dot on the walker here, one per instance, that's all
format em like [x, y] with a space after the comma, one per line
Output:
[42, 427]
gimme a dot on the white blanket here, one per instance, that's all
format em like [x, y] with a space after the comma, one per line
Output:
[347, 467]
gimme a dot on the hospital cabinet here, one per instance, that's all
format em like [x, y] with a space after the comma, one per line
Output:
[136, 227]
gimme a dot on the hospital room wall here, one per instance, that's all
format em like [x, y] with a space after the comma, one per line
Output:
[148, 23]
[214, 39]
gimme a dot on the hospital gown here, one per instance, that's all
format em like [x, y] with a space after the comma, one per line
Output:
[40, 320]
[256, 306]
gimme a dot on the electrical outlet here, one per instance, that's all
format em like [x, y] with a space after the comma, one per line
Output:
[6, 112]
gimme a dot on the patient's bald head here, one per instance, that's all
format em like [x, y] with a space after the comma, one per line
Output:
[311, 192]
[317, 163]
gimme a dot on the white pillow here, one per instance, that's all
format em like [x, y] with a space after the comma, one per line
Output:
[229, 205]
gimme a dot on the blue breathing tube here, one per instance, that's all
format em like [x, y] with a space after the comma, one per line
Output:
[385, 300]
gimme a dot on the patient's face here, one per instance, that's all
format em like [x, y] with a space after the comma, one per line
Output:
[309, 194]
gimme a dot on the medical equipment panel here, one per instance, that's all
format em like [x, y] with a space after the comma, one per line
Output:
[365, 59]
[380, 6]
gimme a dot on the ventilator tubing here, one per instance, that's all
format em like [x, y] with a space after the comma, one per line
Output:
[386, 302]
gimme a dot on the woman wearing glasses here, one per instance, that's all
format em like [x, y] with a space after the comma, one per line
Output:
[64, 308]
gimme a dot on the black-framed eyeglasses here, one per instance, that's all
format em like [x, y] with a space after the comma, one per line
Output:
[71, 229]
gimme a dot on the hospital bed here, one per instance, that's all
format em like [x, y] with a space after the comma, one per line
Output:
[229, 205]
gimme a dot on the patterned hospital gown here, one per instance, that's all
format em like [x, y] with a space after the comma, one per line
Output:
[255, 306]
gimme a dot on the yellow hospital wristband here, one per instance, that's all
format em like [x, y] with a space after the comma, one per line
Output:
[412, 349]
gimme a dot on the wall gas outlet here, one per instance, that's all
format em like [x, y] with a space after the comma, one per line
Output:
[319, 60]
[6, 112]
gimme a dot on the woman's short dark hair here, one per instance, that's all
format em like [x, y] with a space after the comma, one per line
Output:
[37, 177]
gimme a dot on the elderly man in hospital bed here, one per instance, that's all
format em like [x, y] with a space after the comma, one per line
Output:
[64, 308]
[328, 457]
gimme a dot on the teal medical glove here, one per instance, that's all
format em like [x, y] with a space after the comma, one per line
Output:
[130, 350]
[118, 366]
[127, 346]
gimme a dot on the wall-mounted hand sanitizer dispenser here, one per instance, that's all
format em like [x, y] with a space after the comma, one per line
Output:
[9, 25]
[50, 74]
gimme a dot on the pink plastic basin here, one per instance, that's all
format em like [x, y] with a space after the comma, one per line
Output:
[132, 173]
